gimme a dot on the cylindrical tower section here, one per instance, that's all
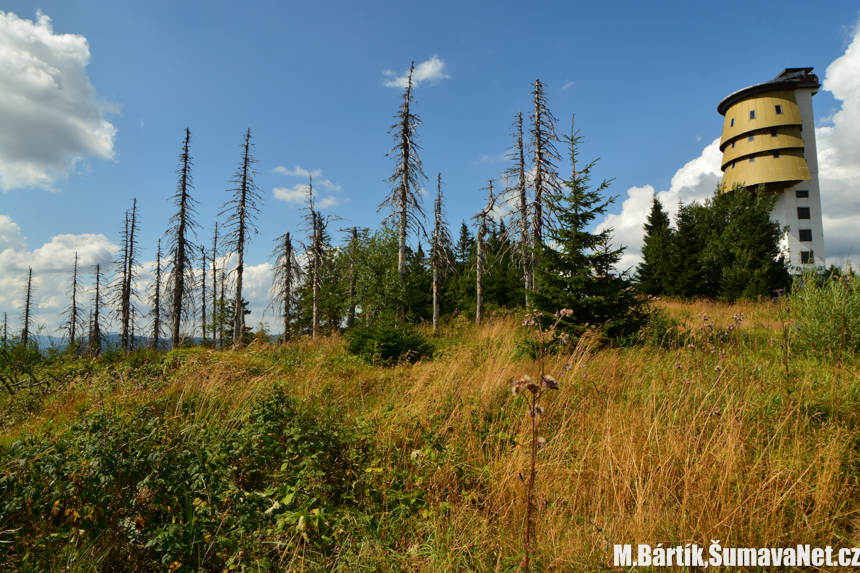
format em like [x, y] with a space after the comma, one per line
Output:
[769, 139]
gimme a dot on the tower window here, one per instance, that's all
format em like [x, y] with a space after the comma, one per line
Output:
[752, 159]
[752, 114]
[733, 145]
[778, 110]
[776, 154]
[732, 124]
[773, 132]
[752, 137]
[803, 213]
[801, 194]
[733, 164]
[805, 235]
[806, 257]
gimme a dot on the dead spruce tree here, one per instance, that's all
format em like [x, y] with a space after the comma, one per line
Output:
[156, 302]
[516, 194]
[243, 210]
[440, 246]
[286, 276]
[214, 284]
[27, 309]
[203, 290]
[72, 315]
[181, 247]
[352, 252]
[405, 199]
[546, 181]
[481, 218]
[122, 291]
[96, 334]
[315, 225]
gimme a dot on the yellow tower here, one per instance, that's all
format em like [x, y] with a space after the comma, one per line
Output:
[769, 139]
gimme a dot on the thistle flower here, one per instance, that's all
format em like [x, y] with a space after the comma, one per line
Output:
[549, 382]
[541, 442]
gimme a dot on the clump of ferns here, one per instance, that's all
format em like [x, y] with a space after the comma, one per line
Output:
[533, 390]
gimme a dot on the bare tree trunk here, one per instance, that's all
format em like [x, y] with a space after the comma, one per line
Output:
[350, 317]
[95, 326]
[73, 310]
[523, 209]
[288, 256]
[214, 281]
[244, 208]
[156, 301]
[221, 322]
[479, 260]
[441, 244]
[316, 275]
[28, 309]
[203, 289]
[181, 246]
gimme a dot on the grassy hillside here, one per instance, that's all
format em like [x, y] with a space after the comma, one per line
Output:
[304, 458]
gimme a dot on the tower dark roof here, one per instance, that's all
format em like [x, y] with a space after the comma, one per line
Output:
[788, 79]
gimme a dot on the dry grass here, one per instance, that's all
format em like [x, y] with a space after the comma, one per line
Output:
[645, 445]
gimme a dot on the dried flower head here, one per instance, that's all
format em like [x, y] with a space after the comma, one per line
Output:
[549, 382]
[541, 442]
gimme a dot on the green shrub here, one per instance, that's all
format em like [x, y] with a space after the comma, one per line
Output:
[827, 313]
[387, 344]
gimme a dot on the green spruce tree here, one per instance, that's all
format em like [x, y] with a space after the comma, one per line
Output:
[653, 273]
[577, 267]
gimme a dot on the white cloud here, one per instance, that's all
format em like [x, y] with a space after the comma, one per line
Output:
[695, 181]
[432, 72]
[316, 174]
[49, 110]
[839, 158]
[298, 195]
[567, 85]
[52, 266]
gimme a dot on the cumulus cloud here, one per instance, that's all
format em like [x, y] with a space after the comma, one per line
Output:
[298, 195]
[432, 72]
[695, 181]
[49, 110]
[304, 173]
[52, 265]
[839, 158]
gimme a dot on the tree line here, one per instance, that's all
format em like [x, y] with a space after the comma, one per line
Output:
[532, 247]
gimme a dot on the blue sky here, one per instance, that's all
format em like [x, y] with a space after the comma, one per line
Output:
[309, 80]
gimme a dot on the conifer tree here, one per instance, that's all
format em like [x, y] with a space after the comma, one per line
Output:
[576, 265]
[122, 291]
[687, 276]
[516, 194]
[27, 309]
[155, 301]
[742, 256]
[405, 200]
[352, 256]
[96, 334]
[214, 282]
[72, 315]
[652, 275]
[203, 290]
[546, 185]
[481, 219]
[180, 246]
[439, 249]
[243, 210]
[286, 276]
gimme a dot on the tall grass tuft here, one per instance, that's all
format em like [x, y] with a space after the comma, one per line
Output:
[827, 313]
